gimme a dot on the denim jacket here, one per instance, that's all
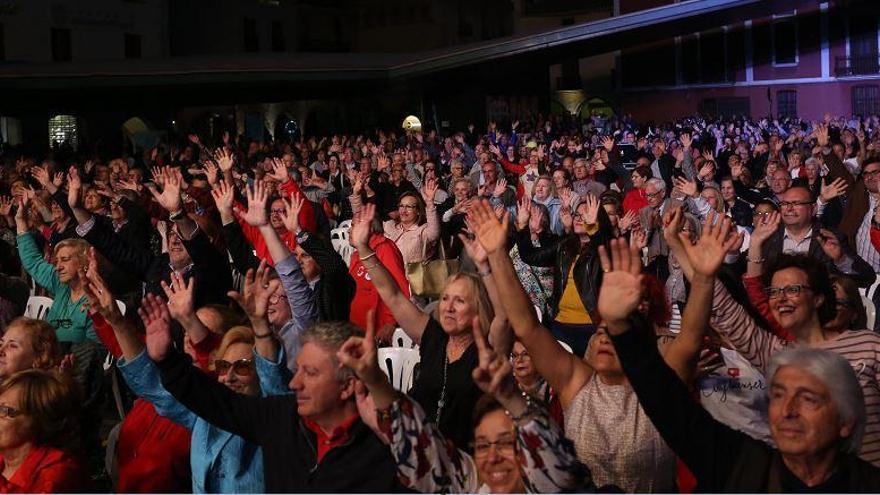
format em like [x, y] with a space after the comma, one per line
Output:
[221, 462]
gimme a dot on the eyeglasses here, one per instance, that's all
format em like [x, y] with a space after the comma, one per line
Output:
[8, 412]
[871, 174]
[793, 204]
[788, 290]
[274, 298]
[653, 194]
[504, 447]
[242, 367]
[407, 207]
[762, 213]
[277, 211]
[522, 355]
[62, 323]
[845, 303]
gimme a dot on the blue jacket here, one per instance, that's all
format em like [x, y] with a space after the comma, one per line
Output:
[221, 462]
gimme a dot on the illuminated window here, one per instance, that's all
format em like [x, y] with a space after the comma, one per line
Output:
[63, 130]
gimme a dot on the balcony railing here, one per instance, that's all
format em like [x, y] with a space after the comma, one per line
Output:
[560, 7]
[856, 66]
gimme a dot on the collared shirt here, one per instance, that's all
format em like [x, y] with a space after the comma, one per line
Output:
[790, 245]
[338, 437]
[864, 248]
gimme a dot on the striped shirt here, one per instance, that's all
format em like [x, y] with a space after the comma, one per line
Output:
[860, 347]
[863, 237]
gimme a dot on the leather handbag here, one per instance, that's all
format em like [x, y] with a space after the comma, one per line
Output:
[427, 278]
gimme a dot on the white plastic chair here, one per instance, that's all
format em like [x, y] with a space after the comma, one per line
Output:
[346, 226]
[538, 313]
[870, 311]
[38, 307]
[400, 339]
[399, 365]
[121, 306]
[342, 247]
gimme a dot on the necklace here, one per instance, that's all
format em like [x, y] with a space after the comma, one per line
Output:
[442, 401]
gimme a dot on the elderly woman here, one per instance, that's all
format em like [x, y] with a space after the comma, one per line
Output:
[636, 198]
[444, 387]
[417, 228]
[517, 448]
[38, 412]
[545, 195]
[68, 314]
[26, 344]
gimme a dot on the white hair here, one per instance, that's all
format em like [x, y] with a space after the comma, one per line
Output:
[837, 374]
[658, 184]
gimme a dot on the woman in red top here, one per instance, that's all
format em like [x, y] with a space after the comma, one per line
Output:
[635, 198]
[38, 410]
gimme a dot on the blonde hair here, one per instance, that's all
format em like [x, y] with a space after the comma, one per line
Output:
[719, 200]
[50, 402]
[235, 335]
[80, 249]
[479, 297]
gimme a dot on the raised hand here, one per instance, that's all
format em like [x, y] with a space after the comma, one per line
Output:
[608, 143]
[6, 204]
[429, 191]
[622, 282]
[279, 171]
[491, 233]
[625, 222]
[686, 140]
[821, 133]
[638, 238]
[765, 228]
[100, 298]
[357, 185]
[707, 255]
[180, 297]
[256, 212]
[157, 321]
[831, 245]
[523, 210]
[475, 250]
[41, 174]
[257, 289]
[591, 215]
[169, 198]
[500, 187]
[687, 187]
[359, 236]
[291, 212]
[830, 191]
[225, 160]
[212, 172]
[494, 374]
[223, 196]
[359, 354]
[565, 217]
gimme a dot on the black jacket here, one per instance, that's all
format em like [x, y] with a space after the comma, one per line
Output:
[363, 464]
[335, 289]
[721, 459]
[862, 272]
[210, 267]
[561, 254]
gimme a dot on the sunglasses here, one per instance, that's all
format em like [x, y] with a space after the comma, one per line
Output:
[242, 367]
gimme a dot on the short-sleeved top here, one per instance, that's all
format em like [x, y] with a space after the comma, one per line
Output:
[461, 393]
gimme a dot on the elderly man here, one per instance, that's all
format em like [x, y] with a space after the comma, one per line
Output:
[314, 440]
[800, 233]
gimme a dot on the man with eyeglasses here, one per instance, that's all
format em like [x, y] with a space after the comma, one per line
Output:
[800, 233]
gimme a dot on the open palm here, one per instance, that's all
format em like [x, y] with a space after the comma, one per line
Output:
[491, 233]
[707, 255]
[621, 290]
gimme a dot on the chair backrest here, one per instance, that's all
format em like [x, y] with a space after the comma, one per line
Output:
[399, 364]
[121, 306]
[344, 249]
[346, 226]
[400, 339]
[870, 311]
[38, 307]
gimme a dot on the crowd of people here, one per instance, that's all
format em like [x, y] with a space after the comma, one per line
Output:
[596, 305]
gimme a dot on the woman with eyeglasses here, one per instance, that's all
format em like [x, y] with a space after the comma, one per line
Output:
[636, 198]
[801, 299]
[517, 448]
[38, 419]
[416, 229]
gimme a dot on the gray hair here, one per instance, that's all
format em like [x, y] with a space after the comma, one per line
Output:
[330, 335]
[837, 374]
[657, 182]
[813, 161]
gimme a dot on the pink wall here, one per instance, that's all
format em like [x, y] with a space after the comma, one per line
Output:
[813, 100]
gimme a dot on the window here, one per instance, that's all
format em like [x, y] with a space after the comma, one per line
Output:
[786, 103]
[63, 131]
[132, 45]
[785, 40]
[278, 44]
[866, 100]
[61, 51]
[251, 41]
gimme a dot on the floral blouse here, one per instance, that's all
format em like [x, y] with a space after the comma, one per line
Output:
[429, 463]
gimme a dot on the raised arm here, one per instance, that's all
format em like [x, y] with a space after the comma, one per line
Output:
[408, 316]
[564, 371]
[254, 300]
[706, 258]
[500, 334]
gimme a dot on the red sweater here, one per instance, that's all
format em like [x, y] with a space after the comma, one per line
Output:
[152, 452]
[46, 470]
[755, 290]
[366, 296]
[635, 200]
[307, 222]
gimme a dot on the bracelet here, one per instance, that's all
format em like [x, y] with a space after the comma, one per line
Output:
[487, 273]
[177, 215]
[371, 255]
[757, 261]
